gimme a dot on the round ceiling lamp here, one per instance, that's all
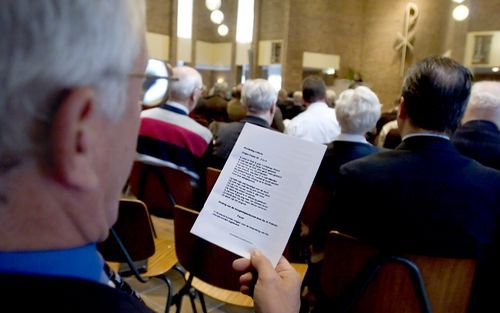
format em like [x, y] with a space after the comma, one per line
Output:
[460, 13]
[223, 30]
[217, 16]
[495, 69]
[213, 4]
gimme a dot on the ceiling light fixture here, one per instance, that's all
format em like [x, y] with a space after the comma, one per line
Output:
[217, 16]
[223, 30]
[213, 4]
[460, 13]
[495, 69]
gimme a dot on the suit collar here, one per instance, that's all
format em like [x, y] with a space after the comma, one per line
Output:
[419, 143]
[255, 120]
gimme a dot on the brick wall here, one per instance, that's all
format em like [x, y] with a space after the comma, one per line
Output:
[362, 32]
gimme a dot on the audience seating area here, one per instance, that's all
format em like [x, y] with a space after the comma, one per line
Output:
[355, 275]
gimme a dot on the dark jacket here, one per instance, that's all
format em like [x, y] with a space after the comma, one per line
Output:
[479, 140]
[225, 136]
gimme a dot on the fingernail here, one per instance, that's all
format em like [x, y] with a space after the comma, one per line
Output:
[256, 252]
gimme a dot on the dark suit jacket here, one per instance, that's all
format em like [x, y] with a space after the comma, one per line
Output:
[426, 198]
[33, 293]
[479, 140]
[225, 136]
[337, 154]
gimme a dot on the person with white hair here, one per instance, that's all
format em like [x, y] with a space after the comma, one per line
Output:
[357, 113]
[72, 73]
[479, 135]
[168, 136]
[259, 97]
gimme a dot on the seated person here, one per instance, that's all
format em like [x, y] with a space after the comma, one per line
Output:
[168, 136]
[59, 191]
[357, 112]
[318, 123]
[235, 111]
[425, 197]
[479, 135]
[259, 97]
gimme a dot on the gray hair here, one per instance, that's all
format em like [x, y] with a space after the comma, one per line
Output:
[484, 102]
[258, 95]
[220, 88]
[358, 110]
[51, 46]
[188, 80]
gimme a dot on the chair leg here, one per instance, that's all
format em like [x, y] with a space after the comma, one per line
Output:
[185, 290]
[202, 300]
[169, 292]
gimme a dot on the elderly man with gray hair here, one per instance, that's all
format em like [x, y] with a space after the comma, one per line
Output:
[479, 135]
[259, 97]
[357, 112]
[168, 136]
[71, 79]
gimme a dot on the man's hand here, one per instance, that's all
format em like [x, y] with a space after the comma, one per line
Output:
[273, 290]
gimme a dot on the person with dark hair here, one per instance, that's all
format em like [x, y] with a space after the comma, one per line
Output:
[424, 197]
[318, 123]
[479, 135]
[235, 111]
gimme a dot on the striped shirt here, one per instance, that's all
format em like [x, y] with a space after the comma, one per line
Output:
[169, 137]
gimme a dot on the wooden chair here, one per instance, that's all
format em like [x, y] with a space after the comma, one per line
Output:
[211, 176]
[131, 241]
[209, 266]
[358, 277]
[313, 213]
[161, 188]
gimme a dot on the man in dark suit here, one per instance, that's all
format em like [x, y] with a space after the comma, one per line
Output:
[69, 118]
[479, 135]
[424, 197]
[259, 97]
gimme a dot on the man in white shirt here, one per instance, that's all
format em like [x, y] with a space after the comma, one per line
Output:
[318, 123]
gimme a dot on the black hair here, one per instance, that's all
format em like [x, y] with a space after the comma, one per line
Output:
[436, 91]
[313, 89]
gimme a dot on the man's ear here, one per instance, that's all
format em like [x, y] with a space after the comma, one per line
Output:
[402, 109]
[71, 139]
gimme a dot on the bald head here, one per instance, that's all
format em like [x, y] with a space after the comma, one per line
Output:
[189, 84]
[484, 103]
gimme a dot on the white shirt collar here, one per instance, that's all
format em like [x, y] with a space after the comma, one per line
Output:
[351, 138]
[443, 136]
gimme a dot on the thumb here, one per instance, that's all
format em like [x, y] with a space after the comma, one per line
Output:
[261, 264]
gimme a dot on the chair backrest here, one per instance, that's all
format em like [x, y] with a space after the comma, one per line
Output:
[211, 176]
[161, 188]
[201, 258]
[358, 277]
[315, 205]
[135, 231]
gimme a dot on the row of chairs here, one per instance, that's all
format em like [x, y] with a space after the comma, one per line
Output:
[202, 264]
[356, 276]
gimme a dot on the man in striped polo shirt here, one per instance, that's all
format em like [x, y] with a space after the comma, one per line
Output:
[168, 136]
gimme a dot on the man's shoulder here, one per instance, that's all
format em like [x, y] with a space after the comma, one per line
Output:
[60, 294]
